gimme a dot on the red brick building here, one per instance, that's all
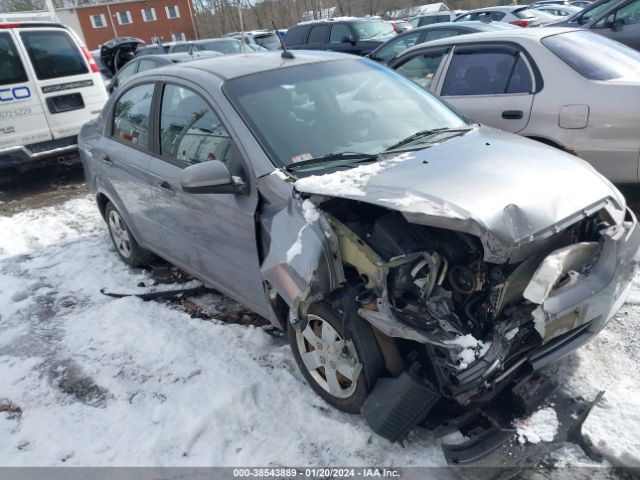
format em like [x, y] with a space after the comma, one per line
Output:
[150, 20]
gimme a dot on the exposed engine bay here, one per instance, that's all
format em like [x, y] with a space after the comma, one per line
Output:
[440, 312]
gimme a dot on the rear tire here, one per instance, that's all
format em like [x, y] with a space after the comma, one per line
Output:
[126, 246]
[339, 359]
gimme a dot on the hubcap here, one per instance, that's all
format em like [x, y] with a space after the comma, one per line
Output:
[119, 234]
[332, 361]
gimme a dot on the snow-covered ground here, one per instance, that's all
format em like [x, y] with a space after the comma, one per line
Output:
[91, 380]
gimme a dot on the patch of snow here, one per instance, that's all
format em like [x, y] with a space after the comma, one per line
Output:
[351, 182]
[611, 362]
[310, 212]
[469, 349]
[171, 390]
[296, 248]
[542, 426]
[413, 203]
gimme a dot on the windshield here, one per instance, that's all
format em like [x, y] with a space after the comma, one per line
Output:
[593, 56]
[366, 30]
[309, 111]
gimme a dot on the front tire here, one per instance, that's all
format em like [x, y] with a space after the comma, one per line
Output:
[126, 246]
[340, 363]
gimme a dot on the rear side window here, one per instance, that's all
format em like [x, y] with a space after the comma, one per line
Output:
[295, 36]
[53, 54]
[11, 68]
[131, 115]
[190, 132]
[486, 73]
[180, 48]
[318, 34]
[593, 56]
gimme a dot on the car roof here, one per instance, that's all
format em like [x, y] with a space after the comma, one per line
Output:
[228, 67]
[496, 35]
[499, 8]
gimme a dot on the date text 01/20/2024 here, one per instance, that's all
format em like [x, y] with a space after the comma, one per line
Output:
[315, 472]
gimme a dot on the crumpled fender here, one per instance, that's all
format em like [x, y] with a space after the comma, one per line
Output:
[302, 262]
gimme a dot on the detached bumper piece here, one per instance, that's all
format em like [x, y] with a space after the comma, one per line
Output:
[398, 404]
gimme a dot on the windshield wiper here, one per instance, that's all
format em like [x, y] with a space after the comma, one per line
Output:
[347, 157]
[425, 133]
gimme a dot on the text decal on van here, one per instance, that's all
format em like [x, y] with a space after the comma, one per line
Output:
[67, 86]
[16, 93]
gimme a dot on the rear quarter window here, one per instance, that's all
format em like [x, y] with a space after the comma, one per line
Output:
[295, 36]
[11, 68]
[593, 56]
[53, 54]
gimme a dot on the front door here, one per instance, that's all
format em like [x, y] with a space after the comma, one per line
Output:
[212, 235]
[492, 85]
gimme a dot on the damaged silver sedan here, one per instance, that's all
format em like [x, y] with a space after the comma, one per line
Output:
[420, 264]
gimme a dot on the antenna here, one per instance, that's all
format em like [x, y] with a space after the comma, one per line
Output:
[285, 53]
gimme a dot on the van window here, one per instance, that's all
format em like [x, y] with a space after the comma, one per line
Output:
[295, 36]
[53, 54]
[318, 34]
[190, 132]
[11, 69]
[338, 32]
[131, 117]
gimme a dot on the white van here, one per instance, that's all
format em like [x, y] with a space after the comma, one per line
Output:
[50, 86]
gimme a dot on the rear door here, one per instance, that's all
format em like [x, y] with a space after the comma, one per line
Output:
[65, 76]
[492, 84]
[622, 25]
[125, 160]
[22, 119]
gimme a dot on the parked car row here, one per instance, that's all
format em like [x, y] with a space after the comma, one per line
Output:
[420, 263]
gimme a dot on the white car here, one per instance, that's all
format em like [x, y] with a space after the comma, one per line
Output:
[50, 86]
[568, 88]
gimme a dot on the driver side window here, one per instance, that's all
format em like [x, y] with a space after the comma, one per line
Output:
[190, 131]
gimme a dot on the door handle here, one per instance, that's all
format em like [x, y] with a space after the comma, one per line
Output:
[512, 114]
[107, 160]
[166, 186]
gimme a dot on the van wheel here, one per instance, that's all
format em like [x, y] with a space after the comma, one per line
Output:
[341, 363]
[128, 249]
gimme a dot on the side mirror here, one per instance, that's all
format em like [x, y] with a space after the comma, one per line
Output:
[110, 87]
[212, 176]
[348, 39]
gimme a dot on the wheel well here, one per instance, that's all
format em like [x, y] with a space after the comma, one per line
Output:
[102, 201]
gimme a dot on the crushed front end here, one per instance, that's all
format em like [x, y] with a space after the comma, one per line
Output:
[456, 330]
